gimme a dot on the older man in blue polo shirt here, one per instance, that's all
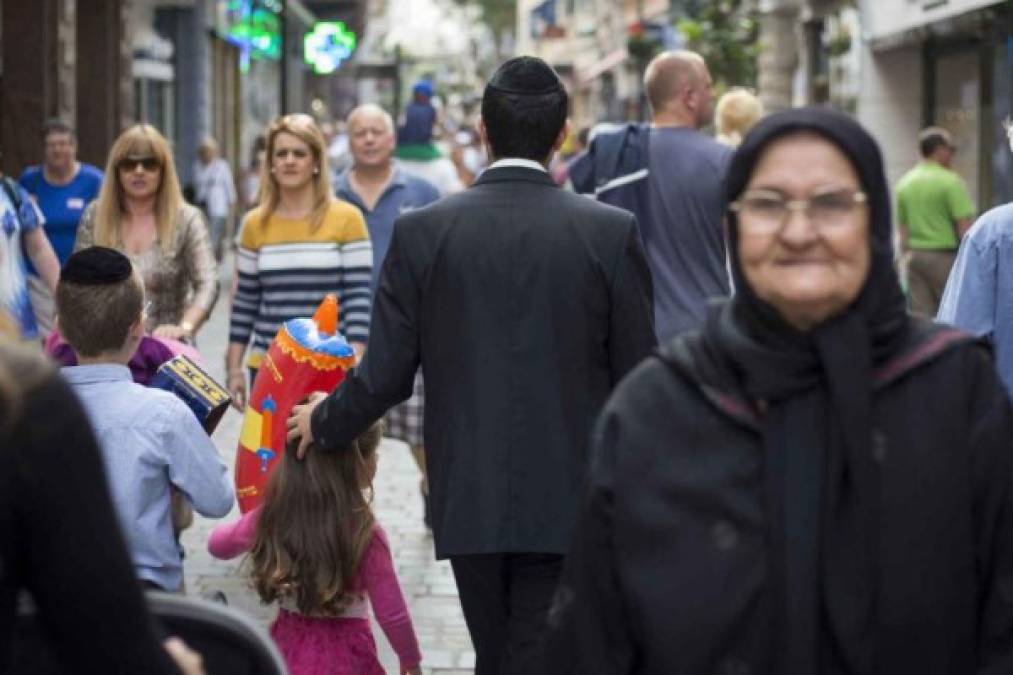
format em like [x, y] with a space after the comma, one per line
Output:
[383, 191]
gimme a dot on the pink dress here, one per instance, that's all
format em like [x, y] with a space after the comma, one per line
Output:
[335, 645]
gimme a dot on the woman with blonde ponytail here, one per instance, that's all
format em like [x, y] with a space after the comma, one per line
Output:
[299, 245]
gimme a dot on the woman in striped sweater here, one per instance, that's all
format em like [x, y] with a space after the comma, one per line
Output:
[300, 244]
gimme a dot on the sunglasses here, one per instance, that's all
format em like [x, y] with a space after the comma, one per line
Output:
[149, 164]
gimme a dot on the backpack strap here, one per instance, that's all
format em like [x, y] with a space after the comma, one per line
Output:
[11, 188]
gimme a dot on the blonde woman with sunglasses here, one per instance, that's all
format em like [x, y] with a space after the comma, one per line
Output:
[140, 211]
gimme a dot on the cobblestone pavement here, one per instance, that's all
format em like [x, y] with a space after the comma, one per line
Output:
[428, 584]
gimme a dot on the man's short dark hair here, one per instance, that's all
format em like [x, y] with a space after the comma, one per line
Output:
[933, 138]
[524, 109]
[56, 126]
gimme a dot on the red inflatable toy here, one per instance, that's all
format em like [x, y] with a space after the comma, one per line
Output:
[306, 355]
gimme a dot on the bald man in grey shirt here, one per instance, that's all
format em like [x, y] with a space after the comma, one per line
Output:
[670, 176]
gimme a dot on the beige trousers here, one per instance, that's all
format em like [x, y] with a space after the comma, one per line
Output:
[927, 272]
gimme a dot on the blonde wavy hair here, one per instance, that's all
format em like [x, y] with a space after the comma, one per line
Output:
[736, 113]
[303, 127]
[140, 140]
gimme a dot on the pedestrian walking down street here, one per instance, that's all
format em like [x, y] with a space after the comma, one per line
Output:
[416, 152]
[61, 187]
[383, 191]
[525, 305]
[21, 233]
[834, 493]
[157, 455]
[299, 245]
[316, 548]
[934, 212]
[140, 212]
[977, 295]
[215, 192]
[59, 536]
[738, 110]
[669, 174]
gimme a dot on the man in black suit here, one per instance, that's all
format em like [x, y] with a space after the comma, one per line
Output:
[524, 305]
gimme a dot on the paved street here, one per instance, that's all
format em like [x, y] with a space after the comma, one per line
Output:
[427, 584]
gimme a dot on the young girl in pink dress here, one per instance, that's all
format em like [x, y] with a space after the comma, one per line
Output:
[316, 548]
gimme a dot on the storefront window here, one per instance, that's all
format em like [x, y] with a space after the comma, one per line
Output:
[958, 109]
[1002, 124]
[154, 103]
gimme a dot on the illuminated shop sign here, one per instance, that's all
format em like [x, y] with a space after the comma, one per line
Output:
[327, 46]
[254, 26]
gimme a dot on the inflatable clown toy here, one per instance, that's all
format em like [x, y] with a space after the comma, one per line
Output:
[306, 355]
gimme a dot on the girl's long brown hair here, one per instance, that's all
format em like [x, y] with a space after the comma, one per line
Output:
[315, 526]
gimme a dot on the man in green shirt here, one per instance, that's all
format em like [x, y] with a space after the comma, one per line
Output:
[933, 213]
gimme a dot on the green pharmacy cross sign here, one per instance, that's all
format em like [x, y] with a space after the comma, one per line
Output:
[327, 46]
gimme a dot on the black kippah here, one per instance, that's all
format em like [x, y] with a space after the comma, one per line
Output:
[525, 76]
[96, 266]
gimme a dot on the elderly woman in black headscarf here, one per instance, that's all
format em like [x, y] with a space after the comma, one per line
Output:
[815, 482]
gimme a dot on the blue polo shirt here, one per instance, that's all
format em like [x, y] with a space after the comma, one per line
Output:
[404, 193]
[62, 205]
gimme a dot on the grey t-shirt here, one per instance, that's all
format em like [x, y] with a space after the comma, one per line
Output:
[683, 233]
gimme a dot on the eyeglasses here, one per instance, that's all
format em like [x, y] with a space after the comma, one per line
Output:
[766, 211]
[149, 164]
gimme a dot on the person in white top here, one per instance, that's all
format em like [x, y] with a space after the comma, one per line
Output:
[215, 191]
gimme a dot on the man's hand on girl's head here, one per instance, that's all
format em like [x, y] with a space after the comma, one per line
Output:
[298, 422]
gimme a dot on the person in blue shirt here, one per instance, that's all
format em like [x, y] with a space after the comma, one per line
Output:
[151, 442]
[979, 292]
[420, 116]
[382, 191]
[61, 187]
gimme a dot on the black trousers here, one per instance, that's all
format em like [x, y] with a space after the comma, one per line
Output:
[506, 599]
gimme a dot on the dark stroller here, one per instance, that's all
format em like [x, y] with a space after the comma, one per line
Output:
[229, 642]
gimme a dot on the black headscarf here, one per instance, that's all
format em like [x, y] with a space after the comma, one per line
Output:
[821, 472]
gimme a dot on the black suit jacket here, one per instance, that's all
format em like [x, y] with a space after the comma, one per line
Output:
[524, 305]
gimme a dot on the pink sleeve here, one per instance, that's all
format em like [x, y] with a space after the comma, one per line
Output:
[388, 602]
[229, 540]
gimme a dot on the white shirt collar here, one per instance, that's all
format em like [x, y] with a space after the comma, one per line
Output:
[517, 162]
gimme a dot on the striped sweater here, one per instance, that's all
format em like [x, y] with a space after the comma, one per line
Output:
[285, 270]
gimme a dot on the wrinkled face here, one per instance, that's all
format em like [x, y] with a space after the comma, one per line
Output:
[60, 150]
[140, 175]
[292, 161]
[371, 139]
[813, 263]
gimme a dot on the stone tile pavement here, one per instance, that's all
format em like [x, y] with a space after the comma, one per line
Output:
[428, 585]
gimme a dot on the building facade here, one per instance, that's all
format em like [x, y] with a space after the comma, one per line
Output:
[593, 44]
[948, 64]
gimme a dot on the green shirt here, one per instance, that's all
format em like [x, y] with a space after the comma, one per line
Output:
[930, 201]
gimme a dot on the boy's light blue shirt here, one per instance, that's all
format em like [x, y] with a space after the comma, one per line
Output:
[149, 440]
[979, 294]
